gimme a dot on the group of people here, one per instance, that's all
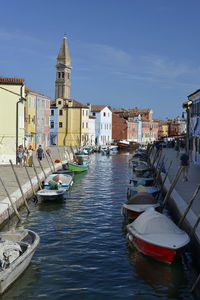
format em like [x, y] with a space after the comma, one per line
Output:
[24, 156]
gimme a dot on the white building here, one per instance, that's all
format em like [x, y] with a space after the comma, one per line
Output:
[103, 124]
[91, 131]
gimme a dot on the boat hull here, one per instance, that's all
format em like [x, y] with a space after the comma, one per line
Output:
[10, 275]
[166, 255]
[77, 168]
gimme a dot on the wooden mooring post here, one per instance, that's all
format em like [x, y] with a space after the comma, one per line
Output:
[41, 166]
[9, 197]
[46, 156]
[19, 184]
[174, 181]
[38, 179]
[59, 154]
[159, 170]
[29, 177]
[189, 205]
[161, 188]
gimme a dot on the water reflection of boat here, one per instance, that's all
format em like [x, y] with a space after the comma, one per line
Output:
[162, 274]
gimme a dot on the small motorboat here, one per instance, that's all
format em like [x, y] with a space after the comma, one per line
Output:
[133, 190]
[156, 235]
[65, 181]
[16, 250]
[137, 204]
[77, 168]
[146, 181]
[51, 195]
[69, 172]
[141, 169]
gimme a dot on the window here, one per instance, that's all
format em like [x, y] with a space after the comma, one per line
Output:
[86, 124]
[59, 75]
[52, 112]
[29, 103]
[68, 76]
[83, 112]
[86, 112]
[59, 102]
[104, 114]
[60, 125]
[60, 112]
[93, 114]
[63, 74]
[83, 125]
[29, 119]
[52, 124]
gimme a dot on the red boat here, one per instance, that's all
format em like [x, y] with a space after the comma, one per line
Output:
[127, 145]
[155, 235]
[137, 204]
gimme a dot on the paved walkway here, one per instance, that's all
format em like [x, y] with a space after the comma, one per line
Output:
[11, 184]
[183, 190]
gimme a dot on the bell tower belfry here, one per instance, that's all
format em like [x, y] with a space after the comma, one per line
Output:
[63, 72]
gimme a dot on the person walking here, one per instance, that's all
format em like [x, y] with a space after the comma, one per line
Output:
[30, 156]
[20, 156]
[25, 153]
[185, 163]
[40, 152]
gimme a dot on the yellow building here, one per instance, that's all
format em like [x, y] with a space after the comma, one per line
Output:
[73, 122]
[11, 117]
[30, 118]
[165, 129]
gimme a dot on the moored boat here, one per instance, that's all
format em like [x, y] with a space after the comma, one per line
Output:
[137, 204]
[133, 190]
[127, 145]
[155, 235]
[65, 181]
[146, 181]
[51, 195]
[16, 251]
[77, 168]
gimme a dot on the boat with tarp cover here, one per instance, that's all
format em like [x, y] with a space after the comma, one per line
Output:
[157, 236]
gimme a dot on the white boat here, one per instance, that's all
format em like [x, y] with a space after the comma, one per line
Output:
[155, 235]
[51, 195]
[16, 250]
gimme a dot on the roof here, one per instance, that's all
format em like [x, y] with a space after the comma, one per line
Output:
[75, 104]
[33, 92]
[12, 80]
[64, 53]
[97, 107]
[195, 92]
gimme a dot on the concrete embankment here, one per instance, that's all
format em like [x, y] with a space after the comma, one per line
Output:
[182, 194]
[6, 173]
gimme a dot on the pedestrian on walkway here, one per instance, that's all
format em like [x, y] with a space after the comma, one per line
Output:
[40, 152]
[20, 156]
[30, 156]
[185, 163]
[25, 153]
[177, 149]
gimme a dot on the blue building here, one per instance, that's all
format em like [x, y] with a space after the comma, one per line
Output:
[53, 124]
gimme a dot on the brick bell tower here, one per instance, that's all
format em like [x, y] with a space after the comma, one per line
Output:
[63, 72]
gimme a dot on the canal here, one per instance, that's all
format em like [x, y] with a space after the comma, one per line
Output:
[83, 252]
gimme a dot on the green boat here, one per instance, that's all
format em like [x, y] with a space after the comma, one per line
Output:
[77, 168]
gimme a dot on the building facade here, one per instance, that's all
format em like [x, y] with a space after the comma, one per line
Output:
[12, 99]
[30, 118]
[53, 124]
[91, 130]
[103, 125]
[73, 122]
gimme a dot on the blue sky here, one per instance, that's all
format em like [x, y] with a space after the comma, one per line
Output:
[128, 53]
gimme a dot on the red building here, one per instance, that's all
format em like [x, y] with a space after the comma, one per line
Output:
[119, 128]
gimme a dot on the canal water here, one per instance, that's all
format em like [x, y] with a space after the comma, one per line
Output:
[83, 252]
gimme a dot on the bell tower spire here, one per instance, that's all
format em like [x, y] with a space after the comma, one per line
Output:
[63, 72]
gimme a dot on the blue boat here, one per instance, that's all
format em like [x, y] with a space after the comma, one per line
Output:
[65, 181]
[133, 190]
